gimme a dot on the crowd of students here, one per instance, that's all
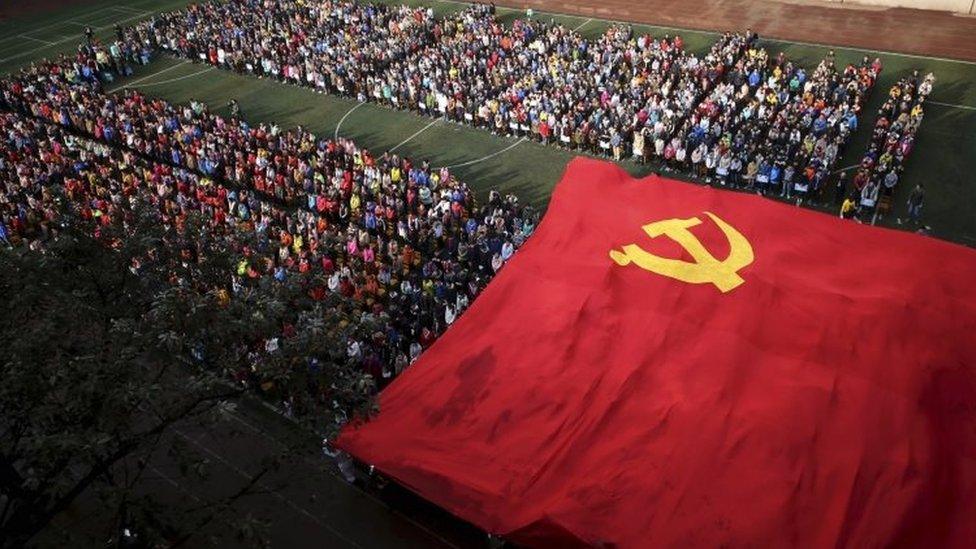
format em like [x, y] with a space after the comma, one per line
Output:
[336, 46]
[532, 79]
[892, 140]
[772, 127]
[406, 241]
[736, 115]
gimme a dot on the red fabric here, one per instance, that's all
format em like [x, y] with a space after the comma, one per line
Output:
[828, 400]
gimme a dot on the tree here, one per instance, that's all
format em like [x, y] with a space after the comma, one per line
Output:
[111, 342]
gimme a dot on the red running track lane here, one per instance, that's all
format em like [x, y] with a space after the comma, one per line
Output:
[900, 30]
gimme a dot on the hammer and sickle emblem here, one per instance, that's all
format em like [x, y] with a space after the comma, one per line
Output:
[705, 268]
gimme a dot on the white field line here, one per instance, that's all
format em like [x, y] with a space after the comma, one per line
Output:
[177, 79]
[63, 40]
[583, 24]
[716, 33]
[952, 105]
[36, 39]
[127, 9]
[847, 169]
[415, 134]
[343, 119]
[52, 25]
[486, 157]
[147, 77]
[103, 20]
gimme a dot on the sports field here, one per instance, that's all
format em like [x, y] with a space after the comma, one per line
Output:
[944, 159]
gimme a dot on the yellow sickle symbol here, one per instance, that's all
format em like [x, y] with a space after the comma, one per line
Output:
[723, 274]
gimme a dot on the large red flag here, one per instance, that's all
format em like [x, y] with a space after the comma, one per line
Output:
[668, 364]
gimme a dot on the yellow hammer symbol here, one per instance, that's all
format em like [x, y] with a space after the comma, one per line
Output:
[705, 268]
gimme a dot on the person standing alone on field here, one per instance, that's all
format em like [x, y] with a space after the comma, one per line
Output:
[841, 189]
[915, 201]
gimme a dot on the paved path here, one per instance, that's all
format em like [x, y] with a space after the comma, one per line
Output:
[308, 504]
[304, 502]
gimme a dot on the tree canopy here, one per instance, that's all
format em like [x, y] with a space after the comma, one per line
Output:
[111, 341]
